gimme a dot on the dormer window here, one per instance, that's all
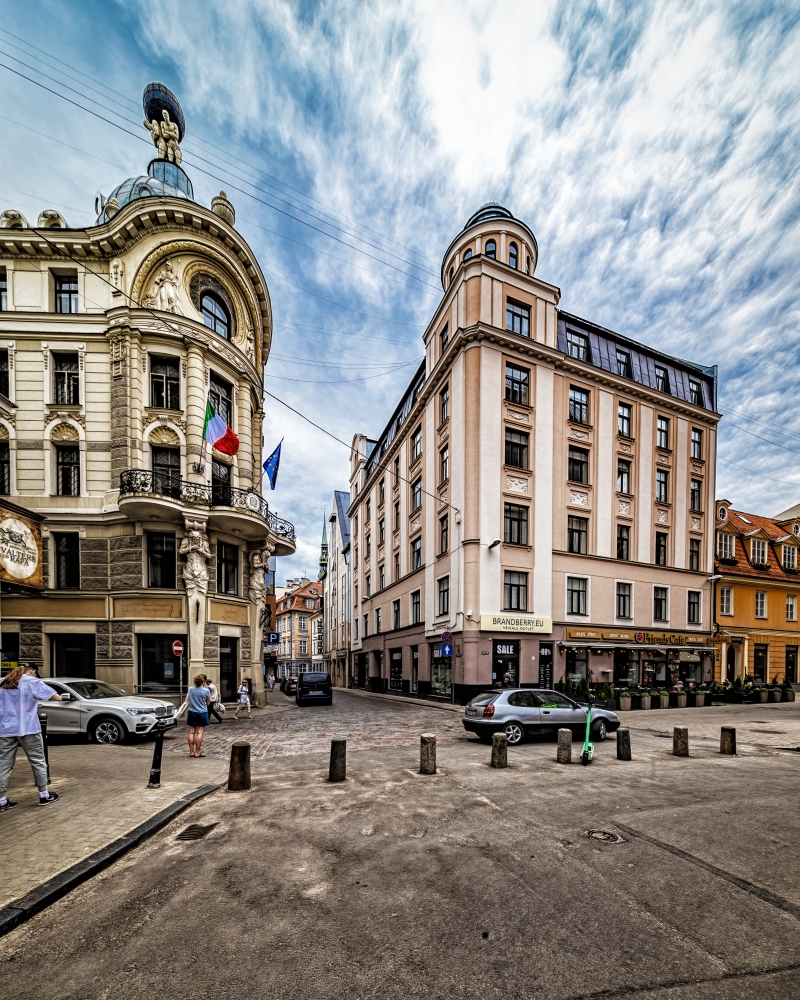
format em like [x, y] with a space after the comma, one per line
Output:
[512, 256]
[789, 557]
[662, 379]
[725, 545]
[578, 346]
[758, 551]
[491, 249]
[623, 363]
[215, 315]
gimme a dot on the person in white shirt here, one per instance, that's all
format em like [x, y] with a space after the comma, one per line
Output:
[20, 695]
[214, 703]
[244, 701]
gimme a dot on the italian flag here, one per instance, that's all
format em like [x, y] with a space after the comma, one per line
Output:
[217, 432]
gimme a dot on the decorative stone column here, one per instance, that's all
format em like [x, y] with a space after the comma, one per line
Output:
[195, 577]
[244, 460]
[196, 392]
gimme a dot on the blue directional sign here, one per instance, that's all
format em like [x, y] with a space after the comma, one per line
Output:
[447, 649]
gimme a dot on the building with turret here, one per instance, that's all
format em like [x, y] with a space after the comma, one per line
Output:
[131, 375]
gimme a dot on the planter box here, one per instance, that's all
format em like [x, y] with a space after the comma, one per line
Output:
[681, 699]
[624, 704]
[763, 697]
[699, 700]
[644, 702]
[775, 695]
[662, 701]
[788, 695]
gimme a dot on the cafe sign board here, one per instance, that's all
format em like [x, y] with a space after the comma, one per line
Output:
[669, 639]
[20, 549]
[515, 623]
[590, 635]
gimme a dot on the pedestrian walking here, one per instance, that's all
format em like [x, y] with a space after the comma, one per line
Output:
[272, 682]
[197, 717]
[215, 705]
[244, 701]
[20, 695]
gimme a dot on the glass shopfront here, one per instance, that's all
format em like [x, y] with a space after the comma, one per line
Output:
[396, 670]
[414, 669]
[626, 667]
[159, 668]
[577, 663]
[441, 673]
[505, 664]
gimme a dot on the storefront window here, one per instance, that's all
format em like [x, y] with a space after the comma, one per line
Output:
[414, 669]
[760, 654]
[655, 668]
[505, 664]
[396, 670]
[159, 668]
[626, 667]
[577, 664]
[441, 673]
[690, 668]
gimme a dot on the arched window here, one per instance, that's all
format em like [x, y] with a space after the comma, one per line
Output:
[468, 253]
[491, 249]
[528, 267]
[512, 255]
[452, 272]
[215, 315]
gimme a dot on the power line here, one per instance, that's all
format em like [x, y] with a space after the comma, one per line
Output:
[341, 381]
[775, 444]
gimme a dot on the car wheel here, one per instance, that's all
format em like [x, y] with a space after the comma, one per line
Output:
[108, 731]
[514, 732]
[599, 730]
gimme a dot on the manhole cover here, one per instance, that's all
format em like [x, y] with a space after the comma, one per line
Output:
[195, 832]
[605, 836]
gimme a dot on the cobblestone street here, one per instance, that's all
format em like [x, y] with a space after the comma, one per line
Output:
[366, 723]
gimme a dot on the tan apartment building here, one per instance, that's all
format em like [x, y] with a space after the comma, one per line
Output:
[336, 591]
[113, 340]
[540, 494]
[298, 614]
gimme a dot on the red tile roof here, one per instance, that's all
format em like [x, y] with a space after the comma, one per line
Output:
[746, 525]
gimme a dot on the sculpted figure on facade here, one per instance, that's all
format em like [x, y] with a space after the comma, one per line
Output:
[259, 559]
[164, 295]
[166, 136]
[195, 547]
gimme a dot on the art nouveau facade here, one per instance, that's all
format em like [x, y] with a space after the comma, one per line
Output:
[541, 493]
[112, 340]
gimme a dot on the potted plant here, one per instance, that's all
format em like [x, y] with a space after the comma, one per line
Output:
[681, 698]
[775, 693]
[624, 701]
[663, 698]
[763, 695]
[644, 699]
[699, 699]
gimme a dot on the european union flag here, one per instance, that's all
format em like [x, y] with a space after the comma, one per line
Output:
[271, 465]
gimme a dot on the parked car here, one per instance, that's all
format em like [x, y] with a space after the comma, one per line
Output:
[105, 712]
[314, 686]
[521, 712]
[289, 685]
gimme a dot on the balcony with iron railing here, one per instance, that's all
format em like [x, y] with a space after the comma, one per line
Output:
[148, 495]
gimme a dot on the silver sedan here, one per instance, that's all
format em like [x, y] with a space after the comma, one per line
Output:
[521, 712]
[107, 713]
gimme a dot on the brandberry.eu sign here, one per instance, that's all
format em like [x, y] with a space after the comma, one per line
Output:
[515, 623]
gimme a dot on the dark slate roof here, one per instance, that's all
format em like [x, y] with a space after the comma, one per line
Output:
[342, 501]
[398, 418]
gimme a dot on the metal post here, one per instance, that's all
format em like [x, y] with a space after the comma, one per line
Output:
[155, 769]
[43, 721]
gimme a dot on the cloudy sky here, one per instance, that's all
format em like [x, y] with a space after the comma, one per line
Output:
[653, 149]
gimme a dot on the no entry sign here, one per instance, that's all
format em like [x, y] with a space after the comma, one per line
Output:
[177, 648]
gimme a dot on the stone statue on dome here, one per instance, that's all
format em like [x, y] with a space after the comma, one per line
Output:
[166, 137]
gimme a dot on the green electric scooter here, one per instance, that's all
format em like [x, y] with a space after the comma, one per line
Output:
[587, 754]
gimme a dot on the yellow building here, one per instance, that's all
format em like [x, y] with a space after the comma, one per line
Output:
[757, 595]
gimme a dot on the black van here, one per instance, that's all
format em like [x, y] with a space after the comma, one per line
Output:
[314, 687]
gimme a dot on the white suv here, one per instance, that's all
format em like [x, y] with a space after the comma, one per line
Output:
[105, 712]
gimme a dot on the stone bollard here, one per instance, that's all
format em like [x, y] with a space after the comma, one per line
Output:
[499, 750]
[727, 740]
[680, 741]
[623, 744]
[427, 754]
[564, 752]
[338, 767]
[239, 773]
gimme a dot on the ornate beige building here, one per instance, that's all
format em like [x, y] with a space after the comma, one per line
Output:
[113, 339]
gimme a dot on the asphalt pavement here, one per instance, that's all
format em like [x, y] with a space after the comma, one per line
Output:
[470, 883]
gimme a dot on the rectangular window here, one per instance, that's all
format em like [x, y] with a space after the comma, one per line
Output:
[227, 568]
[444, 339]
[66, 288]
[697, 443]
[623, 476]
[693, 607]
[444, 464]
[415, 607]
[397, 566]
[760, 661]
[517, 449]
[355, 628]
[3, 291]
[789, 557]
[661, 548]
[367, 512]
[515, 591]
[624, 600]
[161, 560]
[578, 346]
[577, 532]
[221, 396]
[68, 470]
[578, 465]
[4, 372]
[623, 541]
[397, 515]
[303, 647]
[396, 613]
[726, 600]
[694, 554]
[416, 444]
[624, 411]
[396, 474]
[444, 531]
[623, 363]
[758, 551]
[695, 392]
[576, 595]
[367, 585]
[578, 405]
[662, 379]
[694, 495]
[5, 469]
[517, 385]
[67, 379]
[444, 404]
[165, 383]
[518, 318]
[725, 545]
[416, 494]
[381, 577]
[167, 472]
[382, 531]
[515, 524]
[67, 568]
[791, 607]
[381, 492]
[662, 485]
[368, 545]
[302, 624]
[416, 553]
[761, 604]
[660, 604]
[366, 626]
[662, 432]
[443, 595]
[378, 620]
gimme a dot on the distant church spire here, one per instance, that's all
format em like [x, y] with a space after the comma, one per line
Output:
[323, 549]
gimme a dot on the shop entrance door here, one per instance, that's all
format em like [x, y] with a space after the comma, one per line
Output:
[505, 664]
[791, 664]
[361, 664]
[545, 665]
[731, 664]
[396, 670]
[73, 655]
[227, 667]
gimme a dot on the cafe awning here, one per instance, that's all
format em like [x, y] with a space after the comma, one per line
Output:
[569, 644]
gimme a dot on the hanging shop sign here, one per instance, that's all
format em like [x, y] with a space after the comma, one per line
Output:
[515, 623]
[20, 547]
